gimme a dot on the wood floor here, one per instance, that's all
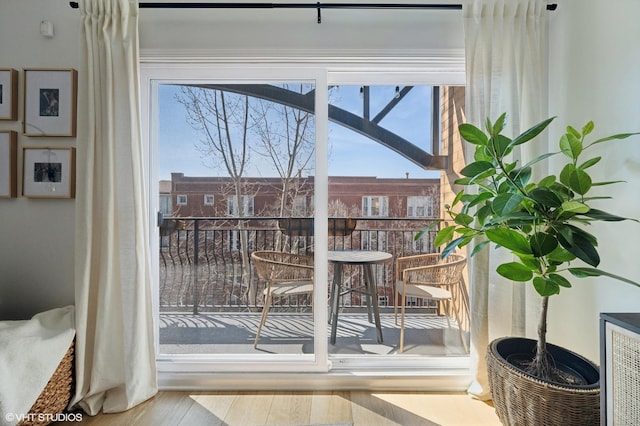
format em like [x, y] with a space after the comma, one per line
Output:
[303, 408]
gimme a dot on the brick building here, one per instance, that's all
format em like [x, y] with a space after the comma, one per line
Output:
[360, 196]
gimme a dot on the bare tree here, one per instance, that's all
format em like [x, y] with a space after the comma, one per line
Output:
[283, 137]
[286, 139]
[223, 121]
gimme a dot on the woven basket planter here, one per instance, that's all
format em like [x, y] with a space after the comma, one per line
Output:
[520, 399]
[56, 395]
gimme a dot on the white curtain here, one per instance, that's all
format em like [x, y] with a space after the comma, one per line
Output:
[115, 357]
[506, 67]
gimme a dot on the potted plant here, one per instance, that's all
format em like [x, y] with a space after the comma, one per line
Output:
[542, 224]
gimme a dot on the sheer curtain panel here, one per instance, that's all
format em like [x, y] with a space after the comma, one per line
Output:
[506, 67]
[115, 359]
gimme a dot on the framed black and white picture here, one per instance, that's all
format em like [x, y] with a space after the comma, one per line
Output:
[8, 94]
[50, 101]
[49, 173]
[8, 164]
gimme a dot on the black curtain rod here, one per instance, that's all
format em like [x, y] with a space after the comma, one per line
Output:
[318, 6]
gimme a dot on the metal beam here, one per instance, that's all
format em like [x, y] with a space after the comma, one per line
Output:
[399, 95]
[361, 125]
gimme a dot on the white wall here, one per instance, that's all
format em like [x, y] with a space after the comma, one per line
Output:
[36, 236]
[594, 69]
[594, 75]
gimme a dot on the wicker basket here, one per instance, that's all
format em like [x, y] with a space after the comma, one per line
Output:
[56, 395]
[521, 400]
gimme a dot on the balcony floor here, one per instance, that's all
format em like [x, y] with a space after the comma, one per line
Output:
[291, 333]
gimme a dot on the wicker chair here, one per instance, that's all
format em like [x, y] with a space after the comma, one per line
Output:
[286, 274]
[428, 276]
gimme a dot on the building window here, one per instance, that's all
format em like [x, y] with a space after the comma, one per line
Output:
[424, 244]
[383, 300]
[234, 240]
[181, 200]
[375, 205]
[373, 240]
[165, 205]
[299, 206]
[419, 206]
[247, 205]
[208, 200]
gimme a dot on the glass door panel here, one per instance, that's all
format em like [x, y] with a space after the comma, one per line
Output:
[236, 166]
[379, 137]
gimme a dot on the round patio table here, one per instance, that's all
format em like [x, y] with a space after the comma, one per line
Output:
[365, 258]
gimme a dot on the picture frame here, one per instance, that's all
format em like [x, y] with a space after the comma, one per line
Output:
[8, 94]
[8, 164]
[50, 102]
[49, 172]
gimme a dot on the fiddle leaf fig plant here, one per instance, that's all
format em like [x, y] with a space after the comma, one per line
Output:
[543, 224]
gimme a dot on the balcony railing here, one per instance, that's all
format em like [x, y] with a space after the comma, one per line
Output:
[202, 267]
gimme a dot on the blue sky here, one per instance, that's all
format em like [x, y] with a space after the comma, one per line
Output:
[350, 154]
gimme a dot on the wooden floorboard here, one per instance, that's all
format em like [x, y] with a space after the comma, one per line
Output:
[303, 408]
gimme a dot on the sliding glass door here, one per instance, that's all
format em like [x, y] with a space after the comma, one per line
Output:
[296, 165]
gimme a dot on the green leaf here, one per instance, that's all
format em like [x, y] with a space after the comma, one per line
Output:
[515, 271]
[542, 244]
[482, 196]
[509, 239]
[604, 216]
[574, 132]
[472, 134]
[501, 144]
[545, 197]
[611, 182]
[463, 181]
[593, 272]
[580, 181]
[565, 174]
[478, 247]
[589, 163]
[463, 219]
[508, 167]
[458, 197]
[547, 181]
[530, 262]
[538, 159]
[579, 231]
[612, 137]
[531, 133]
[479, 177]
[575, 207]
[483, 213]
[522, 176]
[570, 145]
[559, 256]
[506, 203]
[481, 153]
[560, 280]
[427, 229]
[588, 128]
[453, 245]
[515, 219]
[499, 124]
[578, 245]
[476, 168]
[545, 287]
[444, 235]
